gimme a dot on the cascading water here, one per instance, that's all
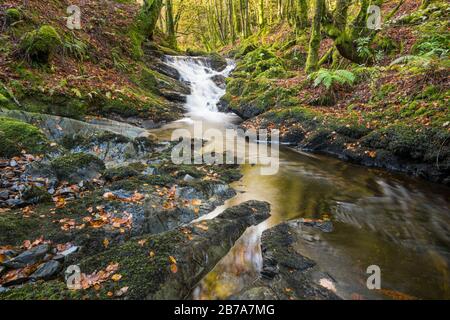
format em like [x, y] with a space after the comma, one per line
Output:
[205, 93]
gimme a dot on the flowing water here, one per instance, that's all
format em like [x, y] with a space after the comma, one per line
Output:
[399, 223]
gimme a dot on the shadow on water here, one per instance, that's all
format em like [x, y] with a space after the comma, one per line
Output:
[400, 224]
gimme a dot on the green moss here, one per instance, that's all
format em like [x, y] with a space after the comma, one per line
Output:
[40, 44]
[36, 195]
[13, 15]
[50, 290]
[66, 167]
[17, 136]
[4, 102]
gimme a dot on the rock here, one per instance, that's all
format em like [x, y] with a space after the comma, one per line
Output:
[69, 251]
[259, 293]
[59, 257]
[173, 96]
[15, 202]
[179, 262]
[285, 267]
[4, 195]
[188, 178]
[3, 289]
[13, 163]
[28, 257]
[150, 171]
[47, 270]
[149, 124]
[77, 167]
[165, 69]
[219, 80]
[324, 226]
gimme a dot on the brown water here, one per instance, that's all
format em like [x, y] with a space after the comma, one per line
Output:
[400, 224]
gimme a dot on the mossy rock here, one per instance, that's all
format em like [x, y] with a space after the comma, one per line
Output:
[13, 15]
[35, 195]
[4, 101]
[77, 167]
[17, 136]
[40, 44]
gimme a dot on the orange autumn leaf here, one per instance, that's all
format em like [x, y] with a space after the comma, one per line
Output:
[173, 268]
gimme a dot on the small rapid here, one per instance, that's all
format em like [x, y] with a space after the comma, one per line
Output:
[205, 93]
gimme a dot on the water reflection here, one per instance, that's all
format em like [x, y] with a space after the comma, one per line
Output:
[398, 223]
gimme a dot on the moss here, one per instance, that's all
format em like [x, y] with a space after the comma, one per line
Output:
[67, 167]
[4, 101]
[40, 44]
[51, 290]
[34, 195]
[17, 136]
[63, 105]
[13, 15]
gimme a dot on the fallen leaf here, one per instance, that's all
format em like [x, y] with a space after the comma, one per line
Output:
[173, 268]
[106, 243]
[116, 277]
[172, 260]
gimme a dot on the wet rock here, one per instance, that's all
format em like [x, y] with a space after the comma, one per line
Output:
[165, 69]
[195, 256]
[28, 257]
[47, 270]
[285, 267]
[219, 80]
[149, 124]
[173, 96]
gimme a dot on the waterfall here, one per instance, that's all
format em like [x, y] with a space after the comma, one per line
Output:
[205, 93]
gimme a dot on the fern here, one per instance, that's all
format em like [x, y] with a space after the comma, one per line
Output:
[328, 78]
[75, 48]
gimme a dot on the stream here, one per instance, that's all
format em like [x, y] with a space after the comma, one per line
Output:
[398, 223]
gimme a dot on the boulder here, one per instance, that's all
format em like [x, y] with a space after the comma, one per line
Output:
[28, 257]
[47, 270]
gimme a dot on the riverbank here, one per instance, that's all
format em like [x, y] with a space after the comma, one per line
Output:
[392, 114]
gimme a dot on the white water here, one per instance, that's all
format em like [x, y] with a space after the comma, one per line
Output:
[205, 94]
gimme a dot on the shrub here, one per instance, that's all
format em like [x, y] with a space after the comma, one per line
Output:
[39, 45]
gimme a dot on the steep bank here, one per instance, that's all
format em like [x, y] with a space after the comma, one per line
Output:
[392, 114]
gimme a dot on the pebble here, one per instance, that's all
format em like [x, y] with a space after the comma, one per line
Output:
[188, 178]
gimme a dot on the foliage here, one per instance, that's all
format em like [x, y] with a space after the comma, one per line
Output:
[75, 48]
[38, 45]
[328, 78]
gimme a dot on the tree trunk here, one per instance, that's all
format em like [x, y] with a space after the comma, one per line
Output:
[170, 24]
[149, 15]
[301, 14]
[314, 43]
